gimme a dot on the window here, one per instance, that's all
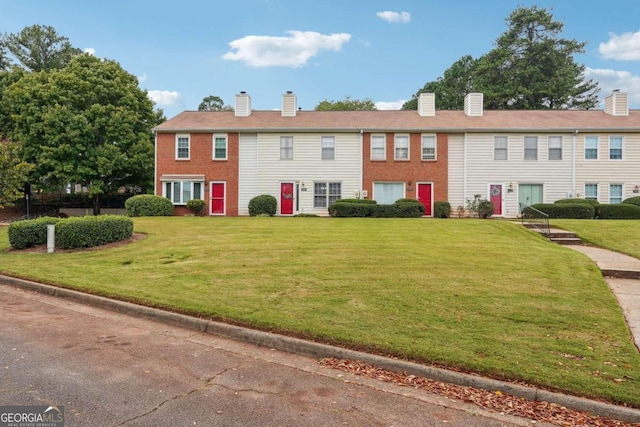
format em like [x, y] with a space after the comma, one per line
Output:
[286, 148]
[182, 147]
[499, 148]
[591, 191]
[428, 147]
[531, 148]
[615, 193]
[615, 148]
[180, 192]
[388, 192]
[402, 147]
[328, 147]
[378, 144]
[219, 147]
[591, 148]
[555, 148]
[325, 193]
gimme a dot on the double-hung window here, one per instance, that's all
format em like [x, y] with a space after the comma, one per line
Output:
[531, 148]
[615, 193]
[428, 147]
[183, 146]
[591, 148]
[591, 191]
[328, 147]
[180, 192]
[286, 148]
[401, 147]
[325, 193]
[500, 148]
[615, 148]
[378, 143]
[555, 148]
[219, 147]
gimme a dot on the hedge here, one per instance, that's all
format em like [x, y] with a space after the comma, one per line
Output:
[30, 232]
[574, 201]
[364, 201]
[89, 231]
[567, 210]
[264, 204]
[618, 211]
[442, 209]
[351, 210]
[632, 201]
[196, 206]
[411, 209]
[148, 205]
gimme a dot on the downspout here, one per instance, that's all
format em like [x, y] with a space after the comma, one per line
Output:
[360, 172]
[573, 165]
[464, 171]
[155, 163]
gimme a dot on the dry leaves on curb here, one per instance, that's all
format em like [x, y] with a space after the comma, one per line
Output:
[497, 401]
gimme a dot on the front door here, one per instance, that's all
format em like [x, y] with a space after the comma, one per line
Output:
[425, 196]
[217, 198]
[530, 194]
[495, 197]
[286, 198]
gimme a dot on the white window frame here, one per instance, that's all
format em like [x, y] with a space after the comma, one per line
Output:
[286, 153]
[426, 141]
[591, 185]
[398, 141]
[169, 191]
[552, 143]
[179, 137]
[328, 147]
[217, 136]
[613, 200]
[327, 193]
[592, 139]
[375, 140]
[621, 140]
[530, 154]
[500, 139]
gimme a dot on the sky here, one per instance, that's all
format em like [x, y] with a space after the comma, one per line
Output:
[183, 51]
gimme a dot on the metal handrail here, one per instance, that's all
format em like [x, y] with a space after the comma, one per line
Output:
[535, 218]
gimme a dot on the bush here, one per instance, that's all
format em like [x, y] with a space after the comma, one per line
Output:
[481, 207]
[412, 209]
[351, 210]
[148, 205]
[196, 206]
[30, 232]
[632, 201]
[442, 209]
[89, 231]
[567, 210]
[406, 200]
[574, 201]
[618, 211]
[365, 201]
[263, 204]
[306, 215]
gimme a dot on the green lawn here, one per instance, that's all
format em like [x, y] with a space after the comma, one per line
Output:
[485, 296]
[621, 235]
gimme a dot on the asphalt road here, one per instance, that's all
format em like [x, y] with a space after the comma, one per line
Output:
[109, 369]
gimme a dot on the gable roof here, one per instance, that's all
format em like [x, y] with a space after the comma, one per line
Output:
[403, 120]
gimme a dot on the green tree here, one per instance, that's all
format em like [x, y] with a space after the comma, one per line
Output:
[36, 48]
[213, 103]
[88, 123]
[347, 104]
[532, 67]
[14, 173]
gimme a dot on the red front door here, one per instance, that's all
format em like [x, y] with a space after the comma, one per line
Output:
[286, 198]
[495, 197]
[217, 198]
[425, 197]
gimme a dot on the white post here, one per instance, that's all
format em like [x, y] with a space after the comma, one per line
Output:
[51, 238]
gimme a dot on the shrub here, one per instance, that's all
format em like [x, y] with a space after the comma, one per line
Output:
[89, 231]
[196, 206]
[574, 201]
[30, 232]
[306, 215]
[618, 211]
[412, 209]
[351, 210]
[442, 209]
[364, 201]
[632, 201]
[148, 205]
[567, 210]
[406, 200]
[481, 207]
[263, 204]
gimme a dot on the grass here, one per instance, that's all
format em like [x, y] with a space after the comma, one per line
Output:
[621, 235]
[478, 295]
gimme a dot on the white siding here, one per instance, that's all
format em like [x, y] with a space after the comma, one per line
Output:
[456, 171]
[247, 171]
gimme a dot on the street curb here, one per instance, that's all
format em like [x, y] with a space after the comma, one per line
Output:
[318, 350]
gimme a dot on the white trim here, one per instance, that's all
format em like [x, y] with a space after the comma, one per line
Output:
[179, 136]
[395, 146]
[584, 147]
[621, 148]
[435, 147]
[432, 191]
[384, 147]
[226, 146]
[224, 210]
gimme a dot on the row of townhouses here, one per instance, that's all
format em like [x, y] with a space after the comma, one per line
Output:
[309, 159]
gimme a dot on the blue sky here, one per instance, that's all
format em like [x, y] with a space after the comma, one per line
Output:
[182, 51]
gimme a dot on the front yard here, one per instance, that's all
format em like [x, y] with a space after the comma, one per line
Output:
[483, 296]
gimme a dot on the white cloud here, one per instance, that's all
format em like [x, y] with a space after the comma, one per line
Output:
[390, 105]
[395, 17]
[608, 80]
[164, 98]
[292, 51]
[90, 51]
[142, 78]
[622, 47]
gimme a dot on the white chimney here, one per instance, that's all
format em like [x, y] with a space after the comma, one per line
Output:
[289, 104]
[473, 103]
[427, 104]
[243, 104]
[616, 104]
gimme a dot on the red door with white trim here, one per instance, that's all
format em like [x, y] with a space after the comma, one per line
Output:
[286, 198]
[217, 198]
[425, 197]
[495, 197]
